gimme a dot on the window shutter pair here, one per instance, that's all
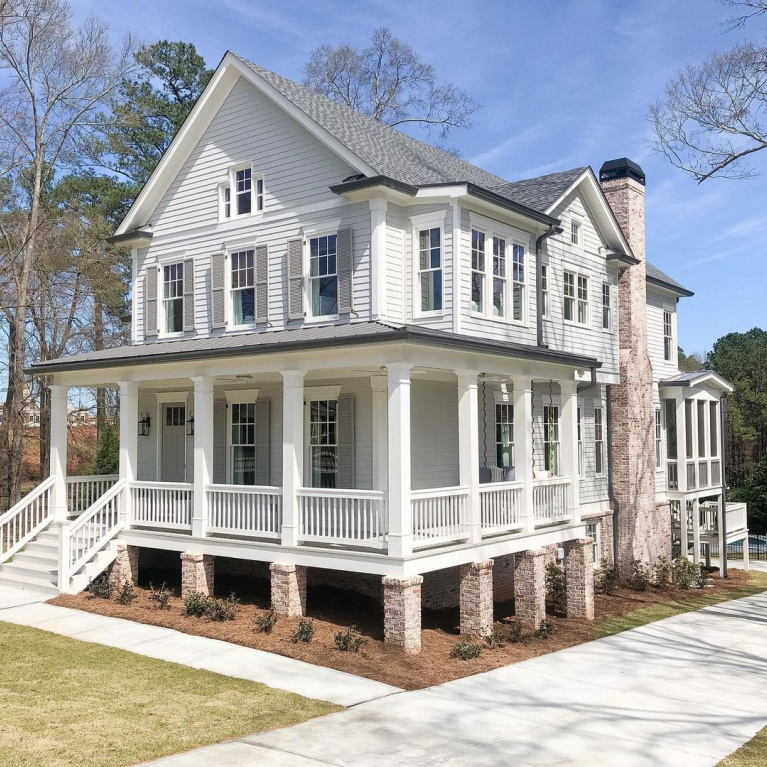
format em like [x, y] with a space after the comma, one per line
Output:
[218, 265]
[189, 294]
[151, 285]
[345, 263]
[295, 279]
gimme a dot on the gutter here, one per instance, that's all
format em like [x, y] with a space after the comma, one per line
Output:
[553, 229]
[610, 488]
[723, 506]
[134, 234]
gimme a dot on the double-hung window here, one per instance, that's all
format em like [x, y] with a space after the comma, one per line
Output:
[713, 430]
[658, 439]
[607, 316]
[668, 337]
[429, 278]
[518, 281]
[594, 532]
[243, 194]
[504, 435]
[243, 287]
[243, 443]
[569, 296]
[580, 444]
[551, 439]
[599, 441]
[323, 442]
[583, 300]
[575, 233]
[545, 289]
[173, 297]
[323, 275]
[499, 277]
[478, 271]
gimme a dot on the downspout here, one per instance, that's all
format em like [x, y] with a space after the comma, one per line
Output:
[610, 489]
[723, 507]
[553, 229]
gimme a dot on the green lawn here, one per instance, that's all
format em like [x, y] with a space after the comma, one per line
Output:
[66, 702]
[696, 599]
[751, 754]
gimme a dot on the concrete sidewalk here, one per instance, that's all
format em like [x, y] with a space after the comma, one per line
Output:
[683, 692]
[27, 608]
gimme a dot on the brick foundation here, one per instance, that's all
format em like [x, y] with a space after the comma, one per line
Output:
[402, 612]
[579, 570]
[476, 598]
[196, 574]
[125, 566]
[288, 587]
[530, 587]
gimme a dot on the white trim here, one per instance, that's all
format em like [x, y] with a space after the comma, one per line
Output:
[378, 233]
[503, 397]
[316, 393]
[238, 396]
[437, 216]
[169, 260]
[322, 230]
[164, 398]
[420, 223]
[228, 302]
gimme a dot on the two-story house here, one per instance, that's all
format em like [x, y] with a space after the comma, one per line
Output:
[355, 356]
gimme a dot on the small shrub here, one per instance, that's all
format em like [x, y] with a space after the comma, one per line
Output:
[127, 594]
[465, 649]
[222, 609]
[662, 573]
[640, 576]
[556, 586]
[495, 639]
[685, 574]
[545, 630]
[349, 640]
[160, 597]
[196, 604]
[607, 577]
[704, 578]
[100, 586]
[266, 622]
[304, 633]
[515, 633]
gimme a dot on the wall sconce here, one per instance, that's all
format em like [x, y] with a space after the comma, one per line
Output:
[143, 425]
[190, 424]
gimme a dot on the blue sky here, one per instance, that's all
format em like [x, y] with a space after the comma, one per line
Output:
[562, 84]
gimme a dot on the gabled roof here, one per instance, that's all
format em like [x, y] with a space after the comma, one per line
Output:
[542, 192]
[658, 277]
[698, 378]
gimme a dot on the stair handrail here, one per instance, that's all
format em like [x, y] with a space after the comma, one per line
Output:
[15, 514]
[68, 565]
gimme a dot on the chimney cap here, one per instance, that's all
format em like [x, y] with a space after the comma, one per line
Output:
[621, 168]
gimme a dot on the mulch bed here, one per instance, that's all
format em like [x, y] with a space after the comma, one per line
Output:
[332, 610]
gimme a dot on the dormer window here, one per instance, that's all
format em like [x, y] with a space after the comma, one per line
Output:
[242, 194]
[575, 233]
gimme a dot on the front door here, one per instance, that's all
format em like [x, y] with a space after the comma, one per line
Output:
[173, 458]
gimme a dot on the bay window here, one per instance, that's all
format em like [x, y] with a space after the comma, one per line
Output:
[429, 277]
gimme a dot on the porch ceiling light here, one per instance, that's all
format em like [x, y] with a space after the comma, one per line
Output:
[190, 424]
[143, 424]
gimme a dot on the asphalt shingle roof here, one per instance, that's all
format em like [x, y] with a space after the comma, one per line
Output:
[657, 275]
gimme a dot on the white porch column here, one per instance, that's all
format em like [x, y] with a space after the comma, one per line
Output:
[59, 396]
[523, 445]
[378, 257]
[696, 531]
[203, 452]
[722, 538]
[684, 535]
[292, 452]
[569, 441]
[468, 449]
[380, 433]
[400, 504]
[681, 447]
[128, 443]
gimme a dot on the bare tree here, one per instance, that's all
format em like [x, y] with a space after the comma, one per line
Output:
[747, 10]
[57, 77]
[389, 82]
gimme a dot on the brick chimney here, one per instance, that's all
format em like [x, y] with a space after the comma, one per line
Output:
[644, 530]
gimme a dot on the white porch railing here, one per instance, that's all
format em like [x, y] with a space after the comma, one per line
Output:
[737, 518]
[82, 539]
[501, 506]
[439, 515]
[551, 500]
[25, 519]
[342, 516]
[166, 505]
[84, 491]
[245, 510]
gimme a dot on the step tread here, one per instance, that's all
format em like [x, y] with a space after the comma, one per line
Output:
[40, 587]
[29, 568]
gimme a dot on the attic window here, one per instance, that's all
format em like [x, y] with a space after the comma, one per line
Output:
[575, 233]
[242, 194]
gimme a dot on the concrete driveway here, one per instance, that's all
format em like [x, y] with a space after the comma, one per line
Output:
[685, 691]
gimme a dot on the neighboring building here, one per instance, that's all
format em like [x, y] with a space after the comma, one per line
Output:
[359, 357]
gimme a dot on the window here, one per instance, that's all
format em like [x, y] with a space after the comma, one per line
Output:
[599, 441]
[518, 279]
[671, 451]
[607, 315]
[243, 287]
[173, 298]
[594, 531]
[504, 436]
[227, 201]
[243, 443]
[545, 289]
[243, 190]
[580, 445]
[583, 299]
[688, 415]
[430, 269]
[575, 233]
[551, 439]
[658, 440]
[323, 443]
[713, 433]
[668, 337]
[701, 429]
[248, 193]
[478, 270]
[569, 287]
[499, 277]
[323, 276]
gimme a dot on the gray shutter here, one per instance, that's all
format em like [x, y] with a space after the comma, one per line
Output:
[262, 283]
[219, 443]
[150, 301]
[262, 442]
[346, 441]
[188, 294]
[217, 282]
[295, 279]
[345, 263]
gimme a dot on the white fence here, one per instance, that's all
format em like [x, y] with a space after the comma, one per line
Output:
[439, 515]
[25, 519]
[84, 491]
[551, 500]
[245, 510]
[342, 516]
[501, 505]
[166, 505]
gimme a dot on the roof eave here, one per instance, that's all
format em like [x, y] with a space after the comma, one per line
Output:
[494, 198]
[678, 289]
[134, 235]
